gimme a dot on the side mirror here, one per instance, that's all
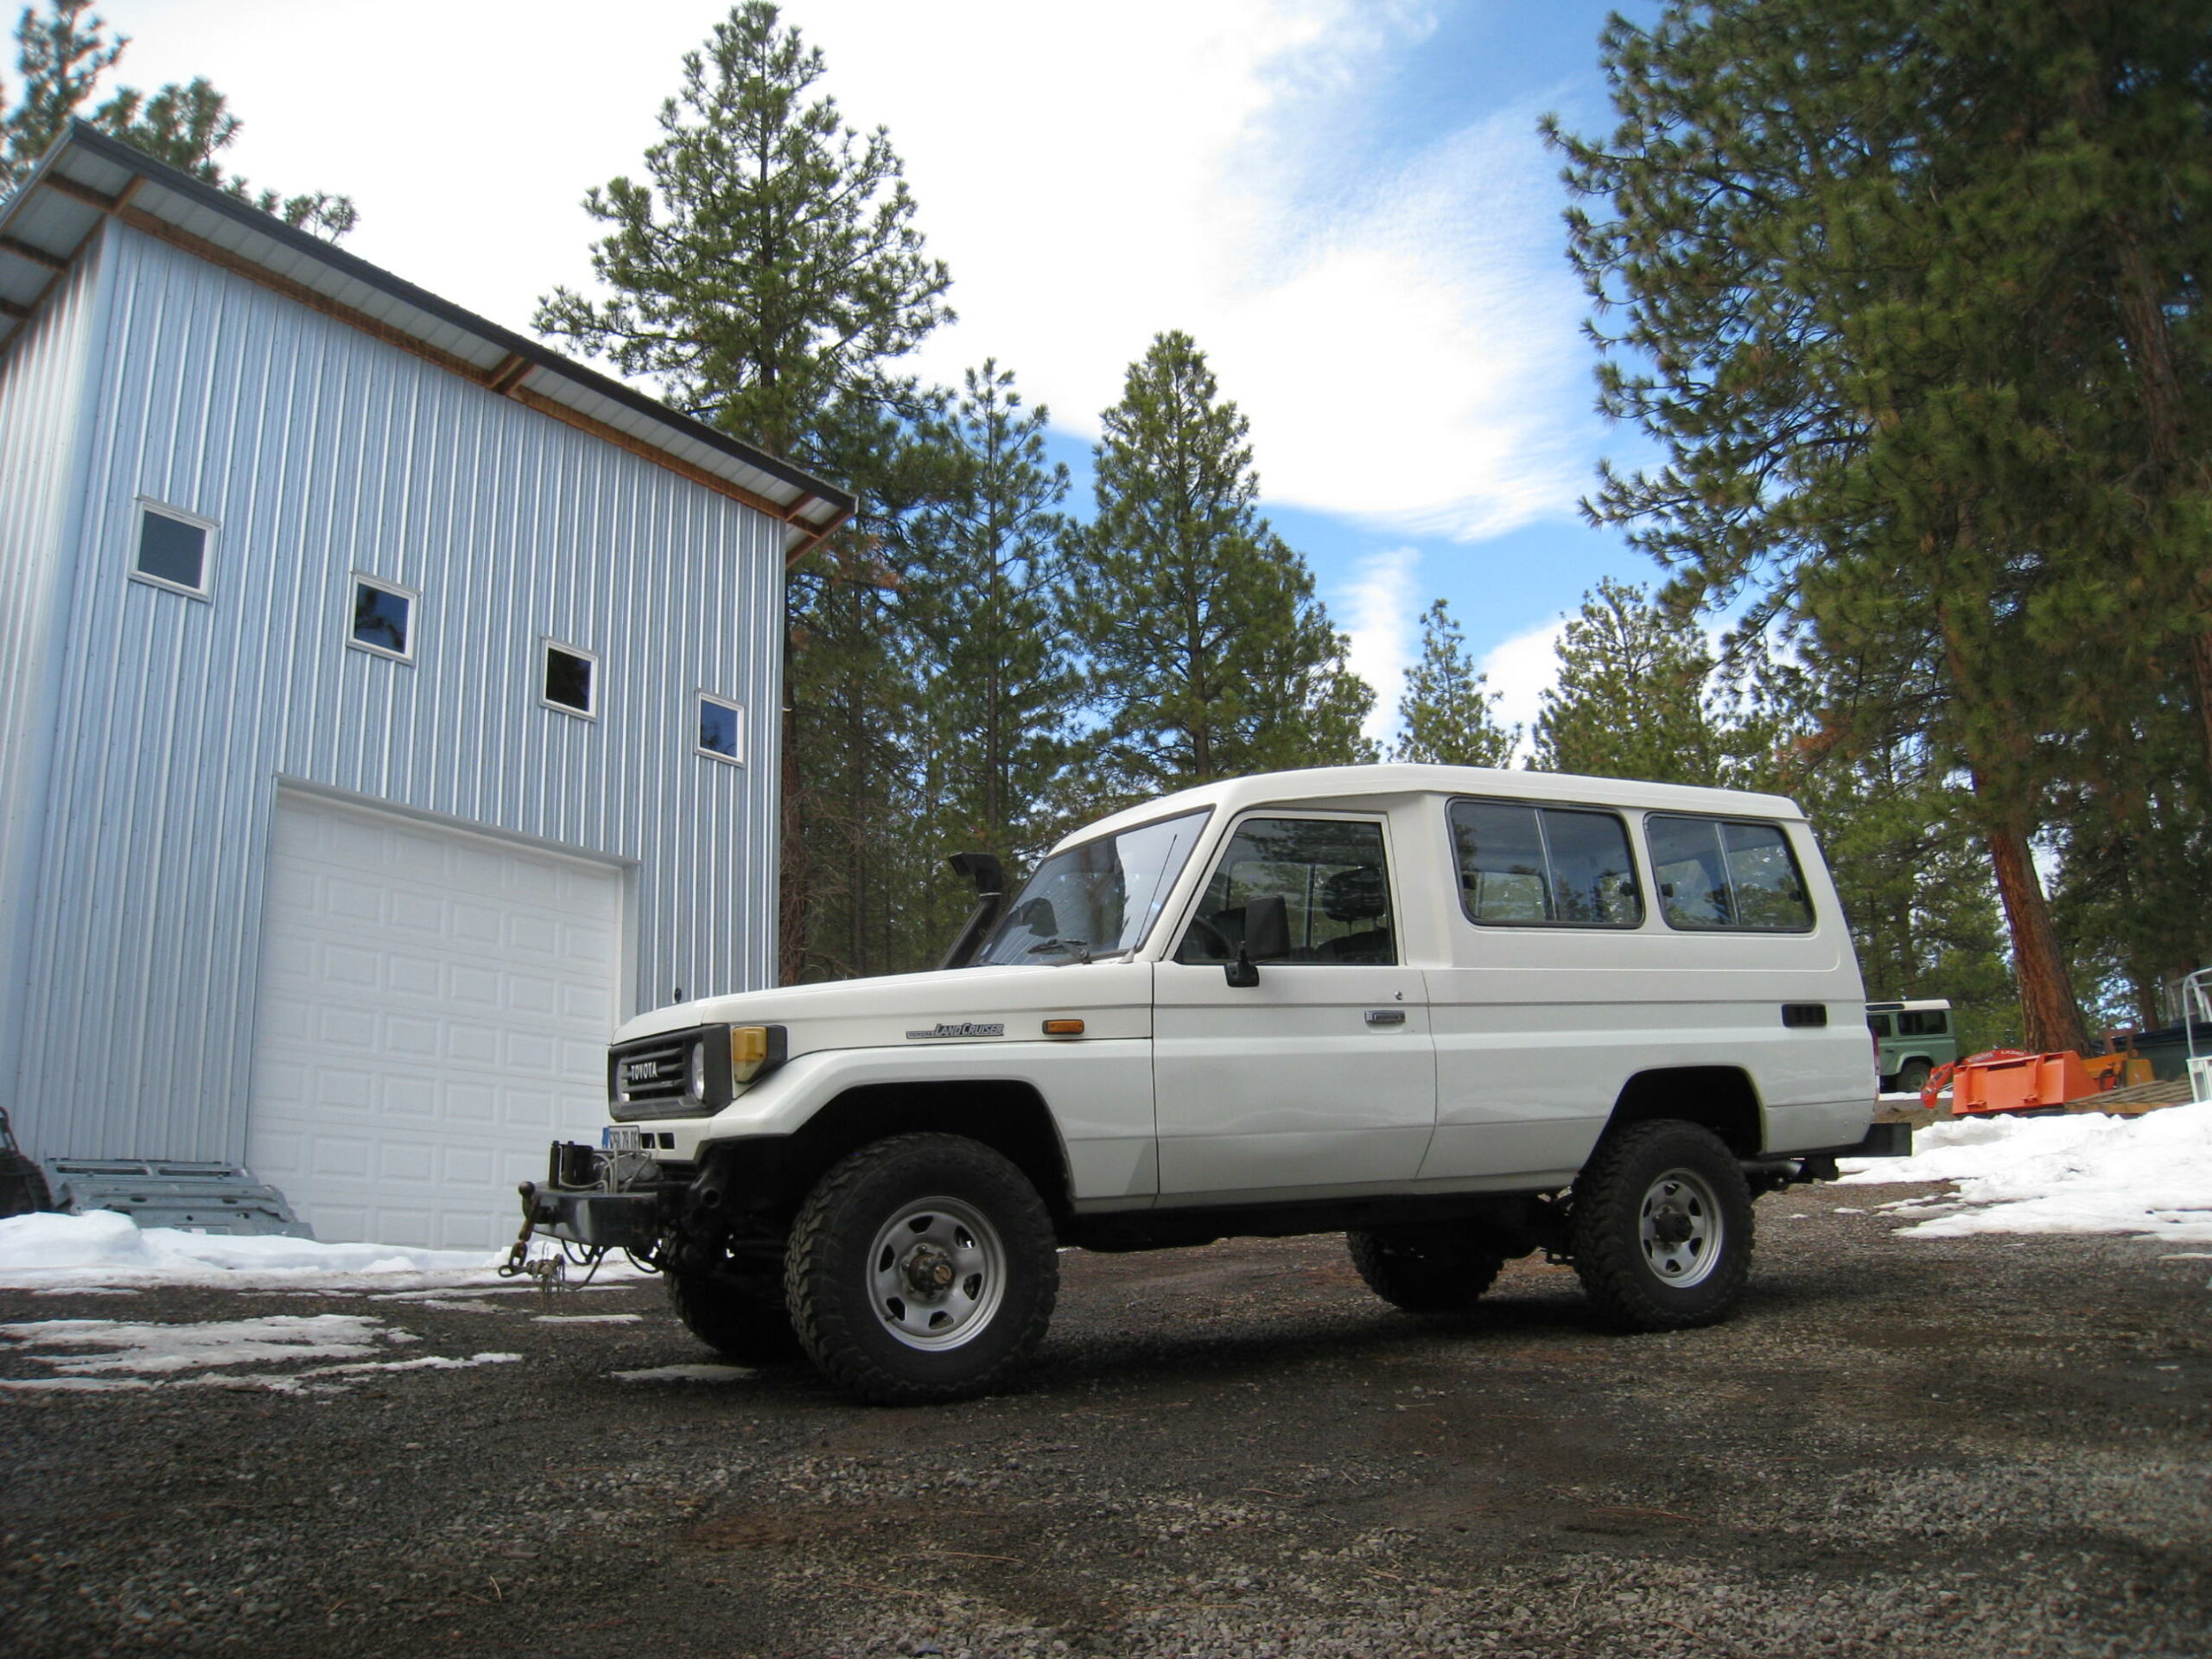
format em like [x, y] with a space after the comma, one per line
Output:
[1266, 938]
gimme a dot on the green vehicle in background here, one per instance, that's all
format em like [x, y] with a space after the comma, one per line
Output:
[1914, 1038]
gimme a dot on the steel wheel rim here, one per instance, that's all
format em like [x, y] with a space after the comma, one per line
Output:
[1680, 1227]
[936, 1274]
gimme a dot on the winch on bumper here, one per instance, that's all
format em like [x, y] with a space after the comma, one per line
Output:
[616, 1198]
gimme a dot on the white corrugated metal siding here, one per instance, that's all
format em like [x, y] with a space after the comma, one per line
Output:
[45, 408]
[319, 451]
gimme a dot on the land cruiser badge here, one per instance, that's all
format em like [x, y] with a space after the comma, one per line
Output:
[968, 1029]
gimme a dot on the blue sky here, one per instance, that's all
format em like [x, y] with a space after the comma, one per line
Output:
[1344, 202]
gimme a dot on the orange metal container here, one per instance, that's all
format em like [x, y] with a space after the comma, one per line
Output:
[2019, 1083]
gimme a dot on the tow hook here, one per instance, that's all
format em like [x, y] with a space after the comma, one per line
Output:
[551, 1272]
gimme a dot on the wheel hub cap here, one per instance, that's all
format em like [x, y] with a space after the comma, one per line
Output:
[937, 1274]
[1681, 1229]
[928, 1270]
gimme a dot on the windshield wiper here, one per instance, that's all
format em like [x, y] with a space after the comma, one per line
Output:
[1081, 947]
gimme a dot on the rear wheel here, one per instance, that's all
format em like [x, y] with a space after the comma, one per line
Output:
[1424, 1269]
[1913, 1078]
[1662, 1228]
[921, 1269]
[741, 1320]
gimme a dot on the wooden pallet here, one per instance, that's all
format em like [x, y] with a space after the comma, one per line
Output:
[2131, 1102]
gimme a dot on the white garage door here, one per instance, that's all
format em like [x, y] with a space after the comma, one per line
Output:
[435, 1007]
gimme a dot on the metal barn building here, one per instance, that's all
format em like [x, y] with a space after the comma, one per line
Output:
[388, 708]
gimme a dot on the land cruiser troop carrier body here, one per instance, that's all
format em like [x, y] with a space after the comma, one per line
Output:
[1459, 1014]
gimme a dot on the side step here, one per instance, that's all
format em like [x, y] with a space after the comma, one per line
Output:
[199, 1197]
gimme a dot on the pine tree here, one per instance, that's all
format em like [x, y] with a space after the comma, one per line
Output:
[768, 276]
[1629, 700]
[1001, 687]
[1209, 654]
[1448, 713]
[60, 59]
[1916, 287]
[1898, 834]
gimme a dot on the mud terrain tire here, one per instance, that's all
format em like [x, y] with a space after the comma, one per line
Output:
[746, 1328]
[1424, 1270]
[921, 1269]
[1661, 1228]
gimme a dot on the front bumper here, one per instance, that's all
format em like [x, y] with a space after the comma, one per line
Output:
[605, 1199]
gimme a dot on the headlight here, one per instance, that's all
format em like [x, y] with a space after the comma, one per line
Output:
[694, 1079]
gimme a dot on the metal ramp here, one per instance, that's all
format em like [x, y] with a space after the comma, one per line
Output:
[198, 1198]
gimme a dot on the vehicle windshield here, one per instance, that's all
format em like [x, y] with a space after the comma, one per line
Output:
[1097, 899]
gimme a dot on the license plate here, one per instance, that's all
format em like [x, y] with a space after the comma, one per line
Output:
[614, 1140]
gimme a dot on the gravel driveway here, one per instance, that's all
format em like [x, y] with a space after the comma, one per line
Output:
[1899, 1446]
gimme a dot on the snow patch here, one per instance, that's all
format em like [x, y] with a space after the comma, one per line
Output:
[104, 1250]
[162, 1355]
[2150, 1177]
[587, 1319]
[686, 1374]
[311, 1380]
[165, 1348]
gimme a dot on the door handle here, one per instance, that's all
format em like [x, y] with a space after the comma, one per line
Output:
[1386, 1016]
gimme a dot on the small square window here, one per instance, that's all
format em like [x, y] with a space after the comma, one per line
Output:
[721, 728]
[172, 550]
[383, 617]
[571, 682]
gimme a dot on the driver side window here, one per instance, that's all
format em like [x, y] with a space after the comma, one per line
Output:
[1330, 877]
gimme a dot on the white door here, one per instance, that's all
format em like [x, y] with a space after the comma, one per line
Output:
[1321, 1076]
[434, 1010]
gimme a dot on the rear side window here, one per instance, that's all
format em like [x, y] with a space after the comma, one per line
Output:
[1923, 1022]
[1544, 866]
[1721, 875]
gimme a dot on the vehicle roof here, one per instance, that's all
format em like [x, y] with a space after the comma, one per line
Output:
[1926, 1004]
[1371, 787]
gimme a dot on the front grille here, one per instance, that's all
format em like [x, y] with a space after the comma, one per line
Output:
[651, 1077]
[670, 1060]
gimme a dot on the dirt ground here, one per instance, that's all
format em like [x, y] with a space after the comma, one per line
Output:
[1977, 1447]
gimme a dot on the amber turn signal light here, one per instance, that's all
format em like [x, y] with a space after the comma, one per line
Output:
[1064, 1028]
[751, 1048]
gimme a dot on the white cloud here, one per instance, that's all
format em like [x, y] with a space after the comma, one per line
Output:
[1377, 611]
[1401, 333]
[1522, 668]
[1388, 306]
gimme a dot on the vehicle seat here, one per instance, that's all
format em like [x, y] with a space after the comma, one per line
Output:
[1358, 894]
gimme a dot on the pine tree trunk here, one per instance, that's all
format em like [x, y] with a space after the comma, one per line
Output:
[2050, 1018]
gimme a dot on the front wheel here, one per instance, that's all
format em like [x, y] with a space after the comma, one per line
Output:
[1662, 1228]
[921, 1269]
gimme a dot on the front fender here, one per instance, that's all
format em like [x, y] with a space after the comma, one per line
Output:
[1099, 1092]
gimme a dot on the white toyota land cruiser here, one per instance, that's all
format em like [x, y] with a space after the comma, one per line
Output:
[1458, 1015]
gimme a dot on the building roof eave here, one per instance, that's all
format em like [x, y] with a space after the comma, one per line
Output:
[88, 178]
